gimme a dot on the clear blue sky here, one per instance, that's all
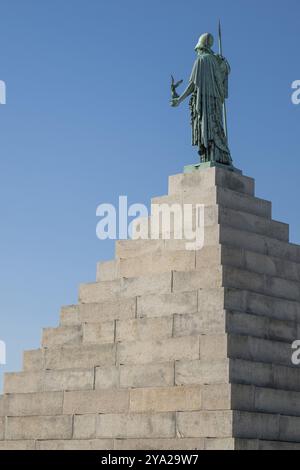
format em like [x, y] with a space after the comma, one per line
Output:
[88, 119]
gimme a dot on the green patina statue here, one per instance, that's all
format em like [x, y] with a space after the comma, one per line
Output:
[208, 87]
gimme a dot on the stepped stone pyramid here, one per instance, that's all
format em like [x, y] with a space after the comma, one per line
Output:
[173, 349]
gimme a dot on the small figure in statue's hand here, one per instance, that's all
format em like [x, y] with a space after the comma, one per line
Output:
[174, 87]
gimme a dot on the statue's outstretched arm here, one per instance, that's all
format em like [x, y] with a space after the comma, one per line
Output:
[176, 101]
[187, 92]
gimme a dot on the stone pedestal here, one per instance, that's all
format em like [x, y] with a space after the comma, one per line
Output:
[173, 349]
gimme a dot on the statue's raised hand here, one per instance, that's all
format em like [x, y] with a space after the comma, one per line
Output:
[175, 102]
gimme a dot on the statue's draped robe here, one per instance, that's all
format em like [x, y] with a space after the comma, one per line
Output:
[210, 79]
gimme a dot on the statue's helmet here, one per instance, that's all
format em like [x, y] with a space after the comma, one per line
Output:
[205, 41]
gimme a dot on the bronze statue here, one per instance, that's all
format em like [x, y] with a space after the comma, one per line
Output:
[208, 87]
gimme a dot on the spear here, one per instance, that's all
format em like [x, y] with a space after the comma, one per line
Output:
[224, 105]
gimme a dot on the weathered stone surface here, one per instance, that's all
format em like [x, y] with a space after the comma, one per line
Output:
[259, 304]
[263, 284]
[125, 426]
[127, 287]
[54, 337]
[2, 428]
[17, 445]
[201, 372]
[139, 426]
[107, 311]
[84, 356]
[172, 348]
[107, 377]
[84, 426]
[205, 424]
[2, 405]
[194, 280]
[99, 291]
[34, 404]
[73, 379]
[156, 283]
[199, 323]
[213, 176]
[276, 445]
[289, 428]
[99, 401]
[277, 401]
[131, 248]
[149, 375]
[158, 351]
[260, 326]
[144, 328]
[99, 333]
[213, 444]
[162, 305]
[161, 444]
[34, 360]
[264, 375]
[23, 382]
[211, 301]
[256, 425]
[153, 400]
[158, 263]
[108, 270]
[260, 350]
[39, 427]
[69, 315]
[259, 243]
[86, 444]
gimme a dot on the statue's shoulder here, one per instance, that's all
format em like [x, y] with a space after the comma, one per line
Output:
[204, 58]
[223, 62]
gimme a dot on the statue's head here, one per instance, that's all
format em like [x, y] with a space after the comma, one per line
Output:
[206, 41]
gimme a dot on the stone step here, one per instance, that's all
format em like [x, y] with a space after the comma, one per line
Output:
[154, 263]
[86, 333]
[238, 323]
[177, 224]
[202, 372]
[240, 424]
[119, 309]
[188, 261]
[150, 400]
[246, 347]
[49, 380]
[123, 444]
[209, 444]
[210, 302]
[158, 351]
[214, 300]
[144, 329]
[221, 196]
[252, 261]
[38, 427]
[67, 335]
[213, 235]
[185, 398]
[247, 280]
[132, 287]
[125, 426]
[33, 404]
[60, 358]
[258, 444]
[255, 243]
[231, 277]
[209, 178]
[163, 283]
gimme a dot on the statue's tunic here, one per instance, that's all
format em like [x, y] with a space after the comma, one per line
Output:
[210, 79]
